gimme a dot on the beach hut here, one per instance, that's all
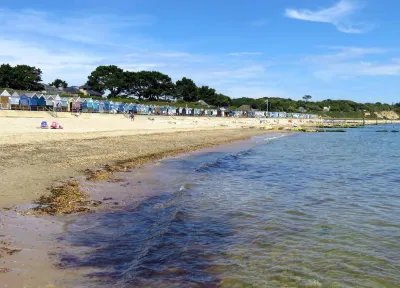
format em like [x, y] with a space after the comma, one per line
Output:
[33, 104]
[14, 100]
[75, 104]
[57, 102]
[5, 100]
[106, 106]
[24, 102]
[84, 106]
[66, 104]
[41, 102]
[89, 103]
[126, 107]
[112, 107]
[101, 106]
[121, 107]
[109, 106]
[96, 104]
[49, 101]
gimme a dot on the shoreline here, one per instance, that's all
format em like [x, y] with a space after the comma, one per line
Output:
[35, 237]
[28, 168]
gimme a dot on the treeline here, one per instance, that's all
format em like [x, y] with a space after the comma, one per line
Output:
[146, 85]
[156, 86]
[289, 105]
[151, 85]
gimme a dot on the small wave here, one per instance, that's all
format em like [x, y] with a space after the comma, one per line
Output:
[274, 137]
[220, 161]
[295, 212]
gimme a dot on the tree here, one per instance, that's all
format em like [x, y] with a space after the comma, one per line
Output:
[187, 90]
[307, 97]
[207, 94]
[159, 84]
[111, 78]
[6, 76]
[22, 77]
[58, 83]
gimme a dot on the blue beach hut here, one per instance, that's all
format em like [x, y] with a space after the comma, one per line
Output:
[41, 102]
[106, 107]
[101, 107]
[96, 106]
[89, 103]
[24, 101]
[120, 107]
[112, 107]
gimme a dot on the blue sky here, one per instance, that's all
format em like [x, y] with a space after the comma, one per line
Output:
[346, 49]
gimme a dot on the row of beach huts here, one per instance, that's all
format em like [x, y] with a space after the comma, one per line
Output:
[42, 102]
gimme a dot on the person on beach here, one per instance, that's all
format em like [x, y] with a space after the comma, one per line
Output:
[132, 116]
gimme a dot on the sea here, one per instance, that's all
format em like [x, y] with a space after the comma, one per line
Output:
[280, 210]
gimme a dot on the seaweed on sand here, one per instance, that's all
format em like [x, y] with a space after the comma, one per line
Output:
[8, 251]
[98, 175]
[67, 198]
[336, 130]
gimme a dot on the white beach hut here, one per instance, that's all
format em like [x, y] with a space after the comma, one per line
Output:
[14, 100]
[4, 100]
[49, 100]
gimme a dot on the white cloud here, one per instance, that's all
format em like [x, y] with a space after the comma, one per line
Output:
[338, 15]
[70, 47]
[344, 53]
[245, 54]
[350, 62]
[77, 28]
[259, 23]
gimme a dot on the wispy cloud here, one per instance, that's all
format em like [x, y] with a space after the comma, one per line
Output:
[259, 22]
[338, 15]
[77, 28]
[245, 54]
[70, 47]
[350, 62]
[342, 53]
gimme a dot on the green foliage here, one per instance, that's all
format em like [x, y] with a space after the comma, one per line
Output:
[187, 90]
[58, 83]
[307, 97]
[109, 78]
[21, 77]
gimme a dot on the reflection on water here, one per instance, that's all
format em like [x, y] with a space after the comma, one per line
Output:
[309, 210]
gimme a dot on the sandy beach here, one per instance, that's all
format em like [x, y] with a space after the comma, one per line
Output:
[33, 159]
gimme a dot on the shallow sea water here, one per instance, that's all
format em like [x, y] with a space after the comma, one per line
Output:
[305, 210]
